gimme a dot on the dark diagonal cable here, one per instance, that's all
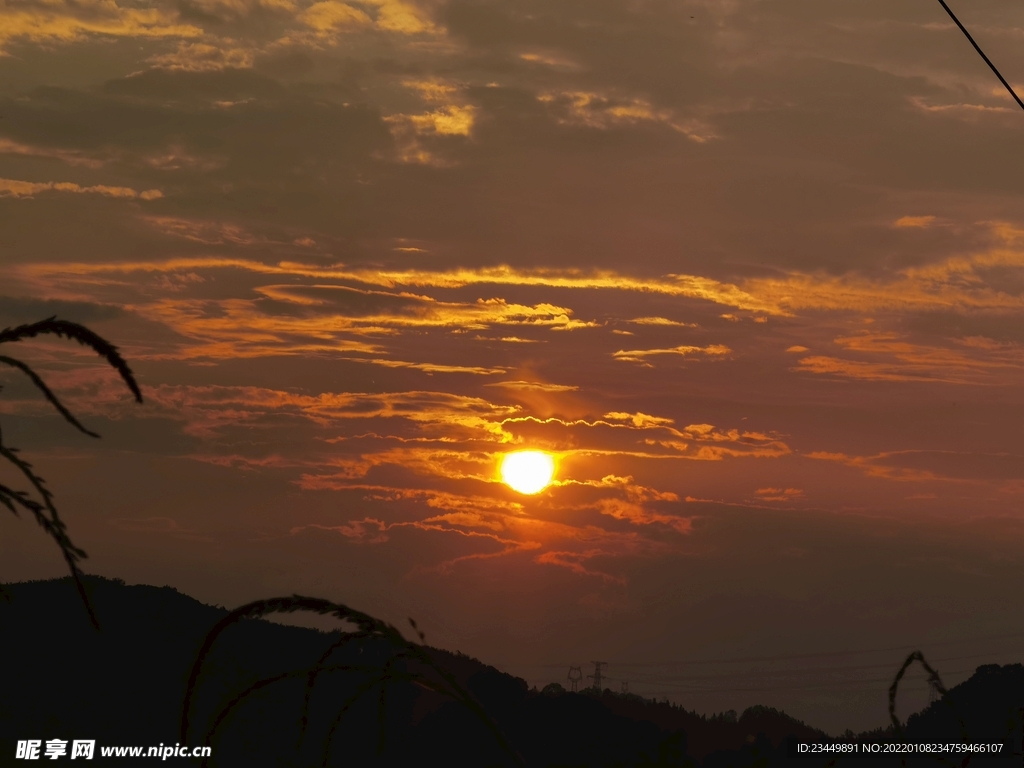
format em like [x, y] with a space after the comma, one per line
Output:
[982, 53]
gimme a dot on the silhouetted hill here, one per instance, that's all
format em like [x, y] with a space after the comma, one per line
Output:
[125, 686]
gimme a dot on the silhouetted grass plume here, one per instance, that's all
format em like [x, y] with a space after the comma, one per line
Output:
[42, 507]
[408, 662]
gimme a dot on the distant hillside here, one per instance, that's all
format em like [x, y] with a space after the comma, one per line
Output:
[125, 686]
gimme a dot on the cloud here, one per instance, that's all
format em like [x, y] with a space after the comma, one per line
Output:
[535, 386]
[876, 466]
[778, 494]
[638, 355]
[401, 17]
[972, 360]
[967, 283]
[637, 514]
[574, 561]
[639, 420]
[918, 222]
[661, 321]
[476, 370]
[15, 188]
[69, 156]
[208, 410]
[453, 117]
[66, 22]
[604, 111]
[331, 16]
[448, 121]
[204, 57]
[688, 286]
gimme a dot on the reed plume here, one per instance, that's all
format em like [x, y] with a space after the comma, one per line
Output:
[41, 505]
[430, 674]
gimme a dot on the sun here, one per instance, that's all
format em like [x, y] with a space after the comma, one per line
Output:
[527, 471]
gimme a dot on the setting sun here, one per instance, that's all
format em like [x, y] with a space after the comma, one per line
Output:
[527, 471]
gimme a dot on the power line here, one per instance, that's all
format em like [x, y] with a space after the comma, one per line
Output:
[819, 670]
[844, 684]
[822, 655]
[981, 53]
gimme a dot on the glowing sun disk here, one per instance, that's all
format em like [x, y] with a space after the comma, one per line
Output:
[527, 471]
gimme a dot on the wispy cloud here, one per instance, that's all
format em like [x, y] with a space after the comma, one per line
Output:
[964, 361]
[15, 188]
[639, 355]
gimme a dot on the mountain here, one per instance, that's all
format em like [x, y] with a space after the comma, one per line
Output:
[125, 684]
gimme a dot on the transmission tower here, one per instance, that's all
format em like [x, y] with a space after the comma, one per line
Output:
[575, 676]
[597, 675]
[625, 686]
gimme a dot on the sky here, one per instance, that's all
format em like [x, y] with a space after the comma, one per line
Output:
[751, 271]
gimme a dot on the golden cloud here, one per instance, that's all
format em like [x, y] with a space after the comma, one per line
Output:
[329, 16]
[638, 355]
[15, 188]
[604, 111]
[430, 367]
[62, 21]
[778, 494]
[400, 17]
[688, 286]
[205, 410]
[535, 386]
[204, 57]
[919, 222]
[660, 321]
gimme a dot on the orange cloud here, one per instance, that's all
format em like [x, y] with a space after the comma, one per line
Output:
[204, 57]
[206, 409]
[604, 111]
[60, 21]
[535, 386]
[872, 466]
[638, 355]
[331, 16]
[974, 360]
[688, 286]
[636, 514]
[15, 188]
[919, 222]
[69, 156]
[778, 494]
[660, 321]
[574, 561]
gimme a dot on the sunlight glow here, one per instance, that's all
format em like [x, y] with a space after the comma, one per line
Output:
[527, 471]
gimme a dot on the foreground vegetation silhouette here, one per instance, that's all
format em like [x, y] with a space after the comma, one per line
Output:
[407, 662]
[43, 508]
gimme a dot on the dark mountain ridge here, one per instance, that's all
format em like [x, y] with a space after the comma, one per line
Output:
[125, 685]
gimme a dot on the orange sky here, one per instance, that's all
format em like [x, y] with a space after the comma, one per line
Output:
[752, 271]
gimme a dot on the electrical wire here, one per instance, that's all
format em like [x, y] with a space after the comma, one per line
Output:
[821, 655]
[981, 53]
